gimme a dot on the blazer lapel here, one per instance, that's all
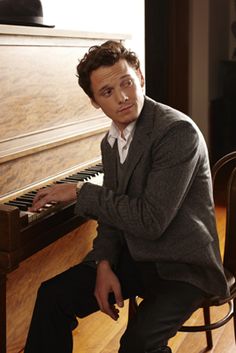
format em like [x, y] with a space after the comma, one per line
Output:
[138, 145]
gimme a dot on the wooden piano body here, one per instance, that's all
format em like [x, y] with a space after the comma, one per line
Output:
[48, 130]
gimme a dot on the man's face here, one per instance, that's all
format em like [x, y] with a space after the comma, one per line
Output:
[118, 91]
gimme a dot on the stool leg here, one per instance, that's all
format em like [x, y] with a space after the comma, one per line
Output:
[207, 320]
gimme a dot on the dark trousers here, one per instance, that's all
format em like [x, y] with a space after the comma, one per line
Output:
[70, 295]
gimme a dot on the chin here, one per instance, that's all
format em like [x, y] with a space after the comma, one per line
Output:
[131, 120]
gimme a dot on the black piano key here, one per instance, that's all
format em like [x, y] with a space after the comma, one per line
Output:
[70, 179]
[100, 166]
[19, 204]
[24, 202]
[33, 192]
[87, 172]
[76, 179]
[25, 198]
[95, 169]
[81, 176]
[64, 181]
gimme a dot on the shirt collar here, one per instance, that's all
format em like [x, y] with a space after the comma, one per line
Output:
[114, 133]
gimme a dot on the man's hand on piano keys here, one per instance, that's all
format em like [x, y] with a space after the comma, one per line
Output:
[56, 193]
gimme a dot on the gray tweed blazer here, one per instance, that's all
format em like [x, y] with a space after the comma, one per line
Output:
[163, 208]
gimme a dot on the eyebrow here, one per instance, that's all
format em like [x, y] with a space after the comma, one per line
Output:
[108, 86]
[103, 88]
[126, 76]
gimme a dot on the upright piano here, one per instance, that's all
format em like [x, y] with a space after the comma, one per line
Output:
[49, 134]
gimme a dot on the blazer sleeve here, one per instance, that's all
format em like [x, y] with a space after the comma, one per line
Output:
[106, 245]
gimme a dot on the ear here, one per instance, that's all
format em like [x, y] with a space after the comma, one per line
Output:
[140, 76]
[94, 103]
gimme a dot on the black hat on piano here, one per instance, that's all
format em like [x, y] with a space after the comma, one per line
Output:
[22, 13]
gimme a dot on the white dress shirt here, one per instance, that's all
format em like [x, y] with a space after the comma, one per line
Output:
[124, 141]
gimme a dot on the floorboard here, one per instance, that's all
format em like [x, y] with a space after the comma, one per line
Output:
[99, 334]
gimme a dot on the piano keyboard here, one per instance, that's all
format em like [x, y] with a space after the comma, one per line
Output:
[93, 175]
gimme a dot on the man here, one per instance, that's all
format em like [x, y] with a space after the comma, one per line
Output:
[156, 236]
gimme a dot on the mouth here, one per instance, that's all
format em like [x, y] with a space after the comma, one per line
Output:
[125, 108]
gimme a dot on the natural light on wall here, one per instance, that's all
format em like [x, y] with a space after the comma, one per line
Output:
[123, 16]
[100, 16]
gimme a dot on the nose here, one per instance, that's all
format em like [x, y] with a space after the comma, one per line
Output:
[122, 97]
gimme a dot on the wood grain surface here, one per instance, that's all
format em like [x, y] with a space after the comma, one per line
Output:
[22, 284]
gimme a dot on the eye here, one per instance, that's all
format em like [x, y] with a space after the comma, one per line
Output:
[127, 83]
[107, 92]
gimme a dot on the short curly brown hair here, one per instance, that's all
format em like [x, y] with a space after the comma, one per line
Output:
[106, 54]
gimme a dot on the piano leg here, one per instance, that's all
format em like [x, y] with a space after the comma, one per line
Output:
[3, 313]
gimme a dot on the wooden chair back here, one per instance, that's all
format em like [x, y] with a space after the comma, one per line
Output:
[224, 188]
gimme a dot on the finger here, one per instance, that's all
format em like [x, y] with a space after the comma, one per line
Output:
[106, 308]
[115, 311]
[40, 202]
[111, 311]
[118, 297]
[98, 301]
[40, 194]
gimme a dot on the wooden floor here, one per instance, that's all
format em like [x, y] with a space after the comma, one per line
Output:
[99, 334]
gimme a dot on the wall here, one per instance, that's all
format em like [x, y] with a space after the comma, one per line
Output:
[219, 25]
[100, 16]
[199, 59]
[232, 39]
[209, 44]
